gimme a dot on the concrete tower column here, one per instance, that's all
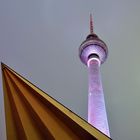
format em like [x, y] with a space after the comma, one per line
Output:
[96, 105]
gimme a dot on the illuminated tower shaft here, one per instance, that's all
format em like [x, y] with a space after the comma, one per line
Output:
[93, 52]
[96, 106]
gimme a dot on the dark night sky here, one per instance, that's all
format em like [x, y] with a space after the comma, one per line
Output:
[40, 40]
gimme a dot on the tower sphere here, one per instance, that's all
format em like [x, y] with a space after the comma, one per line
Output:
[93, 46]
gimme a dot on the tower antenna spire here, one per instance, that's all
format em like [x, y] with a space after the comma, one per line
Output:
[91, 25]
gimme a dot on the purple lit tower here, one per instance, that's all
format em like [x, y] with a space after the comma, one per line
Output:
[93, 52]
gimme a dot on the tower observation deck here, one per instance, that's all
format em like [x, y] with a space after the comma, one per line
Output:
[93, 52]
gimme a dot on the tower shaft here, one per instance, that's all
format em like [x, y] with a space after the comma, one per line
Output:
[96, 105]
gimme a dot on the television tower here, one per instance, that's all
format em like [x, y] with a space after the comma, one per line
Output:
[93, 52]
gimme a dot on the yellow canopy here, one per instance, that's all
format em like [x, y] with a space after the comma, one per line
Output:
[32, 114]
